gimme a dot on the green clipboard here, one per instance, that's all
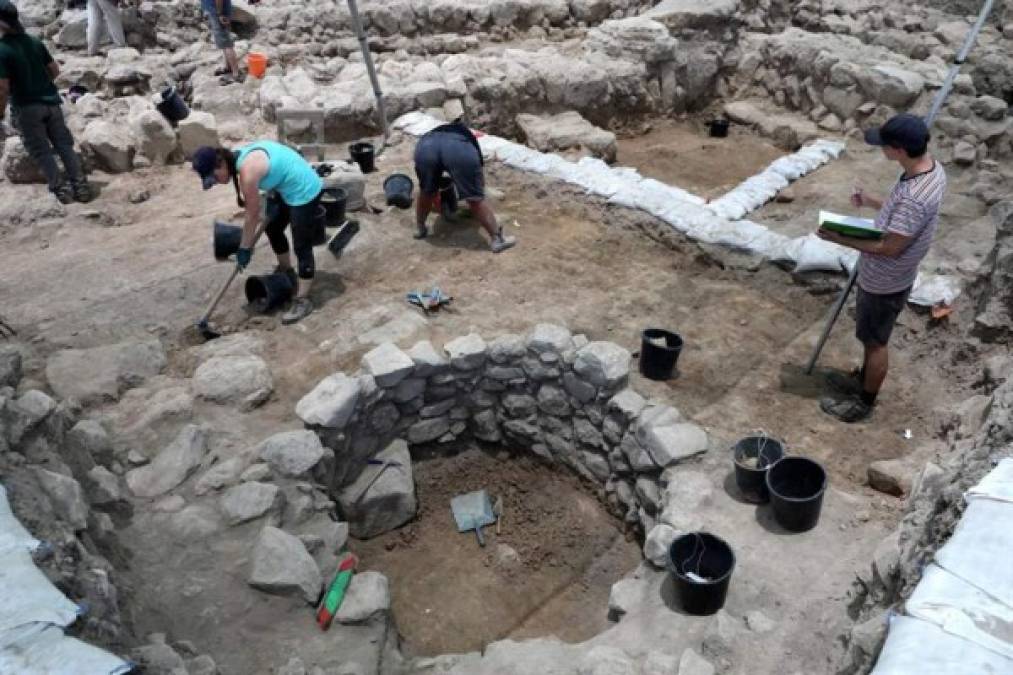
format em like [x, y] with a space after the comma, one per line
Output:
[849, 226]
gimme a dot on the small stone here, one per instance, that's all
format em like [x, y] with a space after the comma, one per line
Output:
[657, 543]
[248, 501]
[240, 380]
[427, 360]
[549, 337]
[292, 453]
[282, 566]
[891, 476]
[202, 665]
[553, 401]
[171, 466]
[627, 403]
[964, 153]
[172, 504]
[467, 352]
[758, 622]
[66, 496]
[256, 472]
[105, 486]
[578, 388]
[139, 196]
[692, 663]
[331, 403]
[387, 364]
[220, 475]
[368, 595]
[428, 430]
[507, 348]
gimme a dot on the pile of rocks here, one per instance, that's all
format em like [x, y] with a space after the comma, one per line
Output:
[558, 395]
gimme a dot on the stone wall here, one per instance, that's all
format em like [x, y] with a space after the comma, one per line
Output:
[554, 394]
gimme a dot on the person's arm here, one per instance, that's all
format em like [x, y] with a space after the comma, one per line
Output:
[251, 195]
[860, 198]
[892, 245]
[5, 92]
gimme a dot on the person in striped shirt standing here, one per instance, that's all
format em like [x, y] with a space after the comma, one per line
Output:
[887, 267]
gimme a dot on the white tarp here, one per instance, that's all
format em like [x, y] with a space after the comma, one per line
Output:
[714, 223]
[33, 613]
[961, 612]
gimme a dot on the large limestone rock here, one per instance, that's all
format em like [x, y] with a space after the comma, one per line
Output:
[368, 596]
[635, 38]
[567, 131]
[331, 403]
[17, 165]
[699, 14]
[244, 381]
[110, 145]
[292, 453]
[171, 466]
[281, 565]
[668, 438]
[154, 136]
[198, 129]
[251, 500]
[891, 85]
[383, 496]
[387, 364]
[66, 496]
[101, 374]
[603, 364]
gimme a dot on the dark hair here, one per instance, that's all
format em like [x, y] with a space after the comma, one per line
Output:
[229, 158]
[919, 151]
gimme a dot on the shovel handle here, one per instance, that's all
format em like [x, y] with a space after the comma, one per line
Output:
[228, 282]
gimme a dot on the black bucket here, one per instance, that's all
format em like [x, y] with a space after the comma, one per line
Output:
[364, 155]
[701, 566]
[398, 189]
[334, 200]
[227, 239]
[719, 128]
[752, 457]
[657, 361]
[172, 106]
[796, 486]
[448, 196]
[271, 289]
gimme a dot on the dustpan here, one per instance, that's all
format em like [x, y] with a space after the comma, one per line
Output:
[473, 511]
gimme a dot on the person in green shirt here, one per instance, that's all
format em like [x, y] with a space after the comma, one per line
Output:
[27, 71]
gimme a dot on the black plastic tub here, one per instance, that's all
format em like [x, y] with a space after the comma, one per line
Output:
[398, 189]
[363, 154]
[334, 201]
[796, 486]
[270, 290]
[719, 128]
[342, 237]
[701, 565]
[752, 457]
[657, 361]
[226, 240]
[172, 106]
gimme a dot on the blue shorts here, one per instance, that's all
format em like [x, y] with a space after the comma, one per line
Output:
[221, 34]
[451, 152]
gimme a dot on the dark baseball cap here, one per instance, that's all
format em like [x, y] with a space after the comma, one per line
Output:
[904, 131]
[204, 162]
[9, 16]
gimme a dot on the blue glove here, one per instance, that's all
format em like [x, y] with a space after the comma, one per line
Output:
[243, 257]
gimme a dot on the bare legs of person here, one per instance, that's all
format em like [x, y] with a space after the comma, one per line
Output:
[877, 363]
[232, 61]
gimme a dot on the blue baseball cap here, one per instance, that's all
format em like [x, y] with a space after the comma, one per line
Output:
[905, 131]
[204, 162]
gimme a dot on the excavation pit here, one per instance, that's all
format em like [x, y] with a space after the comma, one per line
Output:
[548, 571]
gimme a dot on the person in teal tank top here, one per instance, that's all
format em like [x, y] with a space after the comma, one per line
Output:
[293, 197]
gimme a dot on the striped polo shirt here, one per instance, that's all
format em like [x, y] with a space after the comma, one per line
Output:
[912, 210]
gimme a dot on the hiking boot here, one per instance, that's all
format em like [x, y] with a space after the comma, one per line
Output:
[849, 385]
[300, 309]
[501, 243]
[850, 410]
[64, 193]
[83, 192]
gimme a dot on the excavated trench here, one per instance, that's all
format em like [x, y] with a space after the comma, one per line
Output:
[546, 570]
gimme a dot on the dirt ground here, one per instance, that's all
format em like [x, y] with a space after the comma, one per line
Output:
[114, 271]
[548, 571]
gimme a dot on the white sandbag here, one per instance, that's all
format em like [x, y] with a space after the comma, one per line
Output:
[816, 255]
[917, 646]
[961, 609]
[997, 484]
[932, 289]
[43, 649]
[13, 535]
[27, 596]
[979, 550]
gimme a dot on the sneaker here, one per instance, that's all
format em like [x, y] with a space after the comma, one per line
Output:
[300, 309]
[849, 385]
[501, 243]
[83, 192]
[64, 193]
[421, 232]
[850, 410]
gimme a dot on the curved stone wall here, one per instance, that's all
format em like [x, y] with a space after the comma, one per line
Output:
[555, 394]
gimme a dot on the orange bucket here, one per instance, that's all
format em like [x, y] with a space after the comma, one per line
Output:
[256, 63]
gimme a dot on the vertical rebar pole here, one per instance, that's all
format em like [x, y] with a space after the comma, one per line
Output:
[353, 10]
[937, 104]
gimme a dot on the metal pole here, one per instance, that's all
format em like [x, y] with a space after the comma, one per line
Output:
[937, 104]
[353, 10]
